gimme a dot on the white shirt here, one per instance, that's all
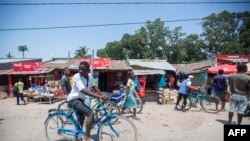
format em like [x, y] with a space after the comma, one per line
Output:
[189, 82]
[80, 83]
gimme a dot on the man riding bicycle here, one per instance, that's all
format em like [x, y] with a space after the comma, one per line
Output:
[81, 88]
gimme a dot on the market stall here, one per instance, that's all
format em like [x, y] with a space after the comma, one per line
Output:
[43, 88]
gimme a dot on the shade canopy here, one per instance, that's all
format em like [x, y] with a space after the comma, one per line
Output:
[228, 69]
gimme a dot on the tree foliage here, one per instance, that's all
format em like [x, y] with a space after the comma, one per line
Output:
[23, 48]
[81, 52]
[221, 32]
[227, 33]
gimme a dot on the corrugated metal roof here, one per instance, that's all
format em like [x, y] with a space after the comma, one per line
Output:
[10, 71]
[60, 63]
[74, 63]
[148, 72]
[120, 65]
[8, 60]
[193, 66]
[149, 63]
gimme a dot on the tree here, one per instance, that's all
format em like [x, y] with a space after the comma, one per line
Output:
[114, 50]
[174, 51]
[191, 48]
[81, 52]
[225, 32]
[221, 32]
[23, 48]
[244, 38]
[134, 46]
[156, 38]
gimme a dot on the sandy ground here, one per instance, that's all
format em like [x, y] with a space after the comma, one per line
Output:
[158, 122]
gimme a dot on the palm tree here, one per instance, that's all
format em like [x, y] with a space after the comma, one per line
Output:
[82, 52]
[23, 48]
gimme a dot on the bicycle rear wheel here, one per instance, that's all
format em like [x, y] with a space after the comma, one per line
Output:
[59, 127]
[123, 130]
[112, 107]
[211, 104]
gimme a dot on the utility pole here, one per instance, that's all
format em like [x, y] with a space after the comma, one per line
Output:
[92, 63]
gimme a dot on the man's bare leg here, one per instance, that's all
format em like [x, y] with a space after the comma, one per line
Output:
[88, 125]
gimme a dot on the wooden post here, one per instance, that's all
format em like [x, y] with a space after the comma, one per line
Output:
[10, 85]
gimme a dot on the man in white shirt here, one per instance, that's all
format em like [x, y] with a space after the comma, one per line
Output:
[81, 90]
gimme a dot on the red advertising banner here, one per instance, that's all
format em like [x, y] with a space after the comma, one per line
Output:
[27, 66]
[98, 62]
[232, 58]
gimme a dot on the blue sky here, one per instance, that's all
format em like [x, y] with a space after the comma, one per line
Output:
[58, 42]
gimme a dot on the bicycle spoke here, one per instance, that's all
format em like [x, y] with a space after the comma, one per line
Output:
[123, 130]
[58, 127]
[211, 104]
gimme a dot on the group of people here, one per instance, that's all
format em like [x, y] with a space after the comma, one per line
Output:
[239, 86]
[83, 88]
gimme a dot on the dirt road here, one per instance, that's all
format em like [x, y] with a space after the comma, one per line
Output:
[158, 123]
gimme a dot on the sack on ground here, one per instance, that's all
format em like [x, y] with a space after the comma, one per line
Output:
[14, 89]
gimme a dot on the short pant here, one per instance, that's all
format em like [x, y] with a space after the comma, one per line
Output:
[82, 109]
[221, 95]
[238, 102]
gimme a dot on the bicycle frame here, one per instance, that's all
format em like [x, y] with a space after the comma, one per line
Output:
[69, 116]
[79, 130]
[195, 96]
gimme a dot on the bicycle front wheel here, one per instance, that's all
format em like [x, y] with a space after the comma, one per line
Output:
[123, 130]
[211, 104]
[59, 127]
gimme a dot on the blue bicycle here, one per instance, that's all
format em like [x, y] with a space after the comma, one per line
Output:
[64, 125]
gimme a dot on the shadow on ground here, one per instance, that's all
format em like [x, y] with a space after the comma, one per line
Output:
[222, 121]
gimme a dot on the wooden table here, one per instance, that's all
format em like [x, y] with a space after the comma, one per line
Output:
[31, 98]
[46, 98]
[42, 98]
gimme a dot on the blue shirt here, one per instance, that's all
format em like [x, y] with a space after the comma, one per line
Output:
[220, 82]
[184, 86]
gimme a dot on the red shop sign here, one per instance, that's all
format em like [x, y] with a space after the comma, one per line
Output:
[27, 66]
[232, 58]
[98, 62]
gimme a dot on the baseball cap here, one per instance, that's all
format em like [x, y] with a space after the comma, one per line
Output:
[191, 76]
